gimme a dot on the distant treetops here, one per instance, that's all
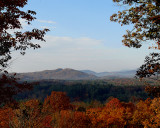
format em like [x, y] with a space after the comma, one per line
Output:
[57, 112]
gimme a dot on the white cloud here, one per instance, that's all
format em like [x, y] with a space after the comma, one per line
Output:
[78, 53]
[47, 21]
[23, 22]
[69, 42]
[25, 26]
[48, 27]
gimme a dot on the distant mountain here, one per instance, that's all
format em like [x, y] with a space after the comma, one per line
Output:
[119, 74]
[89, 72]
[125, 74]
[100, 74]
[59, 74]
[71, 74]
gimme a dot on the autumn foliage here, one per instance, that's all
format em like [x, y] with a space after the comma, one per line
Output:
[57, 112]
[55, 102]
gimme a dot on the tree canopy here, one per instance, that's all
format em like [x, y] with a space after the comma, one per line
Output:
[11, 14]
[145, 17]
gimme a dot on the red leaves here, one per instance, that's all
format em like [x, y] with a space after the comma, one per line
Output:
[46, 122]
[57, 101]
[70, 119]
[114, 103]
[6, 116]
[114, 114]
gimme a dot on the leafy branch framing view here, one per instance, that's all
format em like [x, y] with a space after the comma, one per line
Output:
[56, 110]
[10, 15]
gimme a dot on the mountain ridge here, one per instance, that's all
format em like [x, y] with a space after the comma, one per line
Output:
[123, 74]
[72, 74]
[59, 74]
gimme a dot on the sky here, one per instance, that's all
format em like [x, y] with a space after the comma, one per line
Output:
[81, 37]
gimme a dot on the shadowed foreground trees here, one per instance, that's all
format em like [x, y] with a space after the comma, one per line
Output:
[11, 15]
[9, 86]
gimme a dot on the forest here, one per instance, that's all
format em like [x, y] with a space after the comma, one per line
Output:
[84, 104]
[56, 111]
[102, 103]
[88, 90]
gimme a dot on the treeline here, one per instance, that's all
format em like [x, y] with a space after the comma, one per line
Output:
[86, 91]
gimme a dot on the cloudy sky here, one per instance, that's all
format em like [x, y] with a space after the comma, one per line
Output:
[81, 37]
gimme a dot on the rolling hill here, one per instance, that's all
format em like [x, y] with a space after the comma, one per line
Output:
[59, 74]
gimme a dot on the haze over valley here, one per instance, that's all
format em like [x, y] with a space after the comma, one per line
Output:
[72, 74]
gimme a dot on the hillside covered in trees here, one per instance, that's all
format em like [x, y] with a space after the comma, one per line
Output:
[89, 90]
[67, 98]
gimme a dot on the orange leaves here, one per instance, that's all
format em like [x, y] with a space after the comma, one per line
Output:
[6, 115]
[114, 103]
[70, 119]
[46, 122]
[115, 113]
[147, 113]
[31, 108]
[56, 113]
[28, 114]
[155, 107]
[56, 101]
[112, 114]
[93, 115]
